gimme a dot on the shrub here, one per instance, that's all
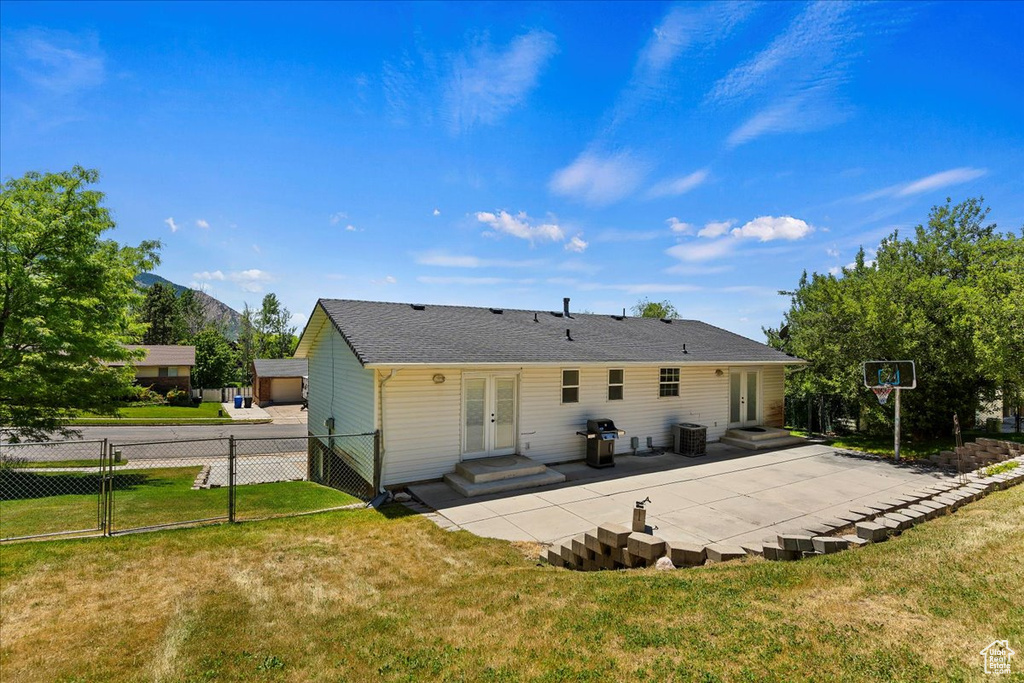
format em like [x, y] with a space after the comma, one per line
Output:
[177, 397]
[144, 395]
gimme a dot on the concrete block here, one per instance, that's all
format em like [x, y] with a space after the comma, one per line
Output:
[902, 521]
[639, 519]
[685, 554]
[891, 524]
[592, 543]
[616, 556]
[826, 545]
[926, 512]
[775, 552]
[796, 542]
[916, 516]
[872, 531]
[864, 512]
[854, 541]
[565, 550]
[722, 552]
[646, 546]
[753, 549]
[613, 535]
[579, 547]
[833, 523]
[850, 517]
[815, 529]
[633, 561]
[554, 558]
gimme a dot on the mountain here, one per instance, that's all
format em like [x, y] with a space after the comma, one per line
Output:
[216, 311]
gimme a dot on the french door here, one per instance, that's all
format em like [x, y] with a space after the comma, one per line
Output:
[489, 421]
[744, 397]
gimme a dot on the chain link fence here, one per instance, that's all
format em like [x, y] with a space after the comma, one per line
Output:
[83, 487]
[52, 488]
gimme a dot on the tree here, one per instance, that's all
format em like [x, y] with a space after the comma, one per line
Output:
[948, 298]
[190, 314]
[247, 343]
[160, 313]
[215, 359]
[645, 308]
[274, 338]
[68, 298]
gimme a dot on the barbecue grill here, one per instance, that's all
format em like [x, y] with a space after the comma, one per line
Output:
[601, 436]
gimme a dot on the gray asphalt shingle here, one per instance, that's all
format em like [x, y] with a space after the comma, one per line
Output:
[280, 367]
[392, 333]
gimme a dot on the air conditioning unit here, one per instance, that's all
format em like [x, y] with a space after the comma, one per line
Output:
[690, 439]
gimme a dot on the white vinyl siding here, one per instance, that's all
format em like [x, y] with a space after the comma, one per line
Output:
[773, 396]
[339, 387]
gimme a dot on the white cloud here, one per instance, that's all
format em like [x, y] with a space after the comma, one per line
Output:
[470, 281]
[445, 260]
[390, 279]
[350, 228]
[171, 224]
[519, 226]
[715, 229]
[576, 244]
[954, 176]
[207, 275]
[251, 280]
[696, 252]
[437, 212]
[598, 180]
[57, 62]
[484, 85]
[678, 186]
[678, 226]
[693, 269]
[202, 224]
[768, 228]
[834, 253]
[800, 113]
[338, 217]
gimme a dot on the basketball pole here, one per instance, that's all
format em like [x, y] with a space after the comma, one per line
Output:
[897, 430]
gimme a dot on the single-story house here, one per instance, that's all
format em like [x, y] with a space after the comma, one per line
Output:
[445, 384]
[277, 380]
[165, 367]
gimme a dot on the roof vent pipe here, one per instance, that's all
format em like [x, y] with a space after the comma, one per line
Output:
[684, 349]
[535, 318]
[565, 307]
[568, 337]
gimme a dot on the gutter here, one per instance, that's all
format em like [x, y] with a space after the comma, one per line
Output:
[383, 449]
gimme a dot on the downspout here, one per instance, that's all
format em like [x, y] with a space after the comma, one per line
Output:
[383, 449]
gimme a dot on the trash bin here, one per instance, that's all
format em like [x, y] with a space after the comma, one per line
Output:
[248, 401]
[238, 401]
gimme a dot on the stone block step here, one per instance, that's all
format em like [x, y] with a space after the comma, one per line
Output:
[470, 489]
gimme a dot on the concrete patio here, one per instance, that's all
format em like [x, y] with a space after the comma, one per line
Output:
[728, 495]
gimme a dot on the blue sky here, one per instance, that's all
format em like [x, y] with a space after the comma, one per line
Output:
[512, 154]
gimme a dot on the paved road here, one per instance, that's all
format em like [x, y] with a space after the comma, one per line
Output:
[177, 433]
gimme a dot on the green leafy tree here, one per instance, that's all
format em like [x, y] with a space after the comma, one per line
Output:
[68, 301]
[938, 298]
[247, 343]
[645, 308]
[190, 314]
[216, 363]
[274, 338]
[160, 313]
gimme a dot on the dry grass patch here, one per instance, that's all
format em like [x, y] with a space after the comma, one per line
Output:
[363, 595]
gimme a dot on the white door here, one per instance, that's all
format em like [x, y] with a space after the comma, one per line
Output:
[489, 415]
[744, 398]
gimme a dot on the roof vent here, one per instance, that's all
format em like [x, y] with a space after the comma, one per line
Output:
[684, 349]
[497, 311]
[667, 320]
[557, 314]
[418, 307]
[618, 317]
[535, 318]
[568, 337]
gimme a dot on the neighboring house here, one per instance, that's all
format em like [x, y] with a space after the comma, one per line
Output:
[277, 380]
[165, 367]
[450, 383]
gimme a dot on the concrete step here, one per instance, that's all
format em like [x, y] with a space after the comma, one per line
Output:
[483, 470]
[763, 444]
[756, 433]
[471, 489]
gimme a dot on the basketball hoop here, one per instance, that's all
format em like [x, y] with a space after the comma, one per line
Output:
[882, 393]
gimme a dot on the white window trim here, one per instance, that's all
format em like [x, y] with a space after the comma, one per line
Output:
[677, 383]
[564, 386]
[611, 384]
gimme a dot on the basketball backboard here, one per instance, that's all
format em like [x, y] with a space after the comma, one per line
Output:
[890, 373]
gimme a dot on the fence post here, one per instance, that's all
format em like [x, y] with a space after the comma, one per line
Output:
[231, 478]
[376, 462]
[101, 501]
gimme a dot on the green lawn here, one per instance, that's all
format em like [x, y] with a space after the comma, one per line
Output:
[39, 503]
[204, 413]
[381, 595]
[909, 447]
[84, 462]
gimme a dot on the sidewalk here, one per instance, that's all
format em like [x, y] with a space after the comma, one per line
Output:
[254, 413]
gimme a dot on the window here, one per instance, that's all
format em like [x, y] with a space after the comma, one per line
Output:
[615, 385]
[167, 372]
[669, 382]
[570, 386]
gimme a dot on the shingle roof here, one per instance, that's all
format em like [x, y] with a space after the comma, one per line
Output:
[391, 333]
[280, 367]
[165, 354]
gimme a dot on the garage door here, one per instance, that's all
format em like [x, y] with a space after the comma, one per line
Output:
[286, 390]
